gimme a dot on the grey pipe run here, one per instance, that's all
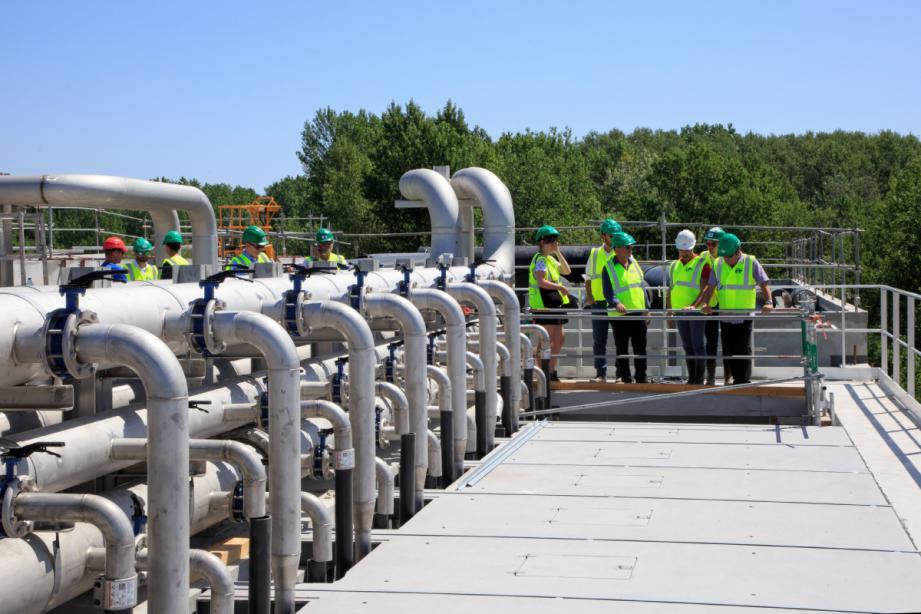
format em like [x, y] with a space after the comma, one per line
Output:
[321, 524]
[414, 354]
[394, 394]
[439, 198]
[433, 450]
[203, 564]
[510, 309]
[479, 404]
[385, 488]
[527, 372]
[362, 361]
[482, 188]
[486, 310]
[120, 582]
[546, 354]
[505, 385]
[446, 419]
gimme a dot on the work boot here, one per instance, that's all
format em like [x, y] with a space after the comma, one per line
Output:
[711, 373]
[599, 378]
[554, 377]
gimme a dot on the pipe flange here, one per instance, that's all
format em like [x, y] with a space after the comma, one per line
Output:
[59, 351]
[294, 313]
[12, 526]
[201, 327]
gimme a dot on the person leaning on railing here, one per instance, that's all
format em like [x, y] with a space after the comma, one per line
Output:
[737, 277]
[545, 290]
[624, 292]
[594, 296]
[712, 328]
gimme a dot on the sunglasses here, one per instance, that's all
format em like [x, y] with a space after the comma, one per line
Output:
[712, 243]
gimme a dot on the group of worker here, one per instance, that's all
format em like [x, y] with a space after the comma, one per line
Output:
[721, 279]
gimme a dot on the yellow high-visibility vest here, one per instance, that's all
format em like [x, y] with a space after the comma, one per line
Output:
[594, 269]
[535, 300]
[736, 284]
[685, 281]
[176, 260]
[245, 261]
[136, 273]
[710, 260]
[627, 284]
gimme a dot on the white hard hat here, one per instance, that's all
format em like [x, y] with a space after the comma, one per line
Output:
[685, 240]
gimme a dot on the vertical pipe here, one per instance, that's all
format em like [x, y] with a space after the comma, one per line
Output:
[447, 442]
[260, 539]
[22, 247]
[884, 330]
[407, 479]
[482, 423]
[857, 267]
[506, 298]
[843, 326]
[344, 526]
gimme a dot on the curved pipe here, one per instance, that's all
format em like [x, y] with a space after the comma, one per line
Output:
[487, 191]
[510, 308]
[505, 359]
[541, 378]
[167, 452]
[205, 565]
[433, 449]
[446, 420]
[397, 398]
[414, 355]
[527, 351]
[476, 365]
[385, 487]
[63, 191]
[486, 310]
[336, 416]
[456, 347]
[441, 201]
[543, 338]
[441, 380]
[280, 354]
[362, 362]
[321, 523]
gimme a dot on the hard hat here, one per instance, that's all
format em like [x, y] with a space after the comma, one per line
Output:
[729, 245]
[546, 231]
[685, 240]
[622, 239]
[114, 243]
[172, 236]
[324, 235]
[256, 235]
[141, 246]
[610, 227]
[714, 234]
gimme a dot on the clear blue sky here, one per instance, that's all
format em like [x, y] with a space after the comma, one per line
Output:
[220, 90]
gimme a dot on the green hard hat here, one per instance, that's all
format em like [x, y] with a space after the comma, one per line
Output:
[254, 234]
[714, 234]
[622, 239]
[610, 227]
[546, 231]
[142, 246]
[172, 236]
[729, 245]
[324, 235]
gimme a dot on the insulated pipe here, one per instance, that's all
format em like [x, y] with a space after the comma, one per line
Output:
[67, 191]
[510, 308]
[101, 513]
[486, 310]
[446, 419]
[362, 359]
[488, 192]
[168, 450]
[414, 355]
[435, 191]
[278, 350]
[204, 565]
[456, 347]
[397, 398]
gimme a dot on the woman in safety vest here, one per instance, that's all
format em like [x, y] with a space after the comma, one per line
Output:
[687, 277]
[545, 290]
[624, 292]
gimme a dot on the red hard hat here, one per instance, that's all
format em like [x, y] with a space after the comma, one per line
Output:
[114, 243]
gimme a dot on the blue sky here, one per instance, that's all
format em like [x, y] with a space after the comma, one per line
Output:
[220, 90]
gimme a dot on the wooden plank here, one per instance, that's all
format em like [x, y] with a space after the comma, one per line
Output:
[231, 550]
[761, 391]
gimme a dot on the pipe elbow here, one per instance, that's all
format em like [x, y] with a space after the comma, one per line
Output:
[337, 416]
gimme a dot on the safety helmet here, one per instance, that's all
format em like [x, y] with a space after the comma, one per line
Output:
[114, 243]
[729, 245]
[685, 240]
[546, 231]
[172, 236]
[610, 227]
[324, 235]
[714, 234]
[141, 246]
[622, 239]
[256, 235]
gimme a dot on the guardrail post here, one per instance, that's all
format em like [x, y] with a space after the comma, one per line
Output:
[910, 355]
[896, 340]
[843, 325]
[883, 330]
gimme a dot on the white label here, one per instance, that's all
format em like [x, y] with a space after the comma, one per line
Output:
[344, 459]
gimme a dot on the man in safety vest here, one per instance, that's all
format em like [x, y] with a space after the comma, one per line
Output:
[140, 268]
[323, 250]
[253, 253]
[594, 296]
[114, 250]
[624, 292]
[687, 277]
[712, 328]
[173, 243]
[737, 277]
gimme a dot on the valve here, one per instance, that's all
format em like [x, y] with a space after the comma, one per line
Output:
[322, 468]
[471, 276]
[138, 517]
[430, 350]
[293, 299]
[236, 502]
[264, 411]
[405, 285]
[12, 485]
[443, 263]
[390, 362]
[201, 313]
[199, 405]
[337, 381]
[355, 290]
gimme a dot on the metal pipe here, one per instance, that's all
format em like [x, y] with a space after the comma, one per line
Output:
[510, 308]
[433, 449]
[435, 191]
[321, 523]
[385, 487]
[487, 191]
[204, 564]
[278, 350]
[446, 418]
[397, 398]
[407, 488]
[414, 354]
[119, 591]
[168, 449]
[456, 347]
[362, 359]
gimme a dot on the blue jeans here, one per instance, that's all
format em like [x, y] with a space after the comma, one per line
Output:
[692, 339]
[600, 336]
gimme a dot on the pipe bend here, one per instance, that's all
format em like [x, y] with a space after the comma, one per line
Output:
[321, 523]
[397, 397]
[437, 375]
[386, 486]
[263, 333]
[479, 379]
[333, 412]
[505, 358]
[212, 569]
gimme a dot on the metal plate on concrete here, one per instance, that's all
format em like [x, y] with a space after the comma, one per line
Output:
[696, 433]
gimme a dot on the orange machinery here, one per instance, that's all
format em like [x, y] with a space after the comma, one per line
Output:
[235, 218]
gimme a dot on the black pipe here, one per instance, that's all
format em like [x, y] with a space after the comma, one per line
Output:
[447, 448]
[345, 556]
[407, 477]
[545, 367]
[479, 415]
[505, 391]
[260, 565]
[316, 571]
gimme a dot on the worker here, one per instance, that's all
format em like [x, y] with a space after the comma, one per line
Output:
[594, 296]
[253, 252]
[685, 277]
[140, 269]
[712, 328]
[624, 293]
[172, 241]
[323, 250]
[114, 250]
[545, 290]
[736, 276]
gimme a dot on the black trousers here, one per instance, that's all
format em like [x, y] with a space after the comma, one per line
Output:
[737, 342]
[627, 332]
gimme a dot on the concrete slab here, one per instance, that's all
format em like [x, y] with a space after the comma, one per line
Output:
[696, 433]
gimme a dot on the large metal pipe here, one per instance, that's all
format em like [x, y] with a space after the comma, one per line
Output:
[483, 188]
[445, 415]
[278, 350]
[203, 564]
[510, 309]
[456, 347]
[385, 487]
[414, 355]
[486, 311]
[63, 191]
[543, 338]
[362, 359]
[395, 395]
[440, 200]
